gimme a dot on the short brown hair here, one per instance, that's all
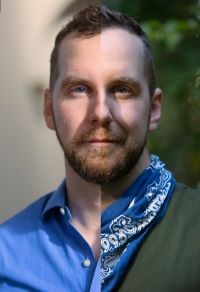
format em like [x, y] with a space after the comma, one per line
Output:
[91, 21]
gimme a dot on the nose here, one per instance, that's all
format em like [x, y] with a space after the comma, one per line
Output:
[100, 109]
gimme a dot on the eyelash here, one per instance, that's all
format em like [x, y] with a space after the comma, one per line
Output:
[79, 87]
[121, 90]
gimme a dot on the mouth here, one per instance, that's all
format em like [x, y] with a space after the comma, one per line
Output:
[96, 140]
[101, 142]
[102, 138]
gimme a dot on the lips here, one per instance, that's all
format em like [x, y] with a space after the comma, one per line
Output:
[100, 136]
[100, 140]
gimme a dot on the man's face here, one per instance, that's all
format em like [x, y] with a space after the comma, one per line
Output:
[100, 106]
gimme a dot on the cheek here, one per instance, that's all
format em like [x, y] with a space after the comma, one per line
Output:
[134, 116]
[68, 119]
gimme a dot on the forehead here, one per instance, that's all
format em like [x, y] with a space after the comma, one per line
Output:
[112, 50]
[120, 42]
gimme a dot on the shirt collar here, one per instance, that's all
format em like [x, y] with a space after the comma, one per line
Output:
[56, 200]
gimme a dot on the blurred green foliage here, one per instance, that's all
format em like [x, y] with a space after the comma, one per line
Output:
[174, 30]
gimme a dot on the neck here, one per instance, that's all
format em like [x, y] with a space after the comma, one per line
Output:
[84, 200]
[112, 191]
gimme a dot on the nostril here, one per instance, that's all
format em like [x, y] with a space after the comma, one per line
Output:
[100, 116]
[100, 108]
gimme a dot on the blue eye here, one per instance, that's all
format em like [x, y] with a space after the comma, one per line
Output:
[79, 89]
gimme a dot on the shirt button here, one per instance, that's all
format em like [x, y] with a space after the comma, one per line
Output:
[62, 211]
[86, 263]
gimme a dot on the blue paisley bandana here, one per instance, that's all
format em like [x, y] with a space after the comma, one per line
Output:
[127, 221]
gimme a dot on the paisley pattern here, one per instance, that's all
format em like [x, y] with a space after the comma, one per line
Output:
[146, 207]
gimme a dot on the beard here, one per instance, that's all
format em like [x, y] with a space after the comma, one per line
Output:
[102, 164]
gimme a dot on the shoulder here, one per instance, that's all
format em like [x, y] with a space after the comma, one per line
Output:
[21, 235]
[29, 216]
[185, 201]
[179, 230]
[182, 189]
[32, 220]
[183, 212]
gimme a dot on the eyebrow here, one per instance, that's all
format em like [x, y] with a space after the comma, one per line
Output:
[122, 80]
[72, 80]
[128, 80]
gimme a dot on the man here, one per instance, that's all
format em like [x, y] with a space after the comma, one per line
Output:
[102, 103]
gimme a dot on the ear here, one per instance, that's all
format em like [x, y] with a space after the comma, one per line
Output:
[155, 115]
[48, 109]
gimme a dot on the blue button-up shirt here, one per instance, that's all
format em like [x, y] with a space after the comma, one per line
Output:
[41, 251]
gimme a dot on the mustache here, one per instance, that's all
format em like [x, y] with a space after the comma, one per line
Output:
[100, 133]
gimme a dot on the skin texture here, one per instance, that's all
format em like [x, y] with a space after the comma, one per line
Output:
[102, 113]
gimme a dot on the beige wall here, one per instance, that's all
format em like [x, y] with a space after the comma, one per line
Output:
[31, 162]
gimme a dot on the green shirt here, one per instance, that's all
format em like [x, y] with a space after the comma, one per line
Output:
[169, 259]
